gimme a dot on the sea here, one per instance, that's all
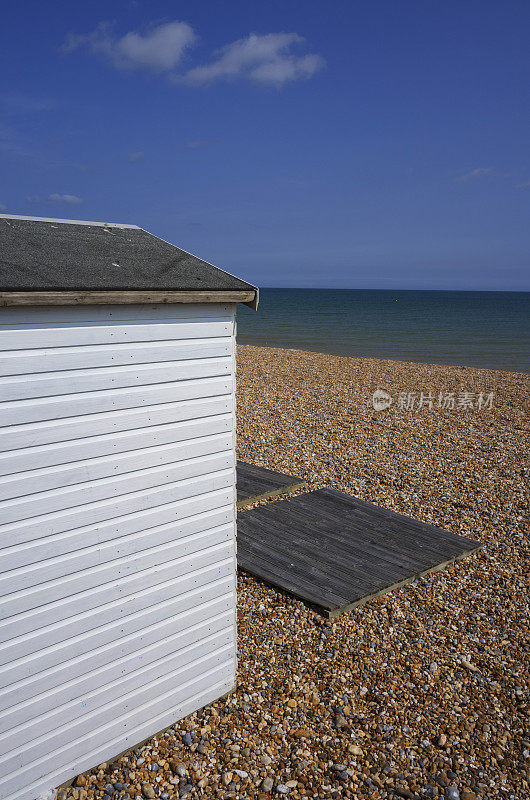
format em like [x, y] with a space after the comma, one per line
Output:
[476, 329]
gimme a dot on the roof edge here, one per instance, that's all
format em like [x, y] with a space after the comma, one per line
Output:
[253, 304]
[220, 269]
[71, 221]
[129, 297]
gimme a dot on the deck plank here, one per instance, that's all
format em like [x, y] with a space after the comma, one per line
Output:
[336, 551]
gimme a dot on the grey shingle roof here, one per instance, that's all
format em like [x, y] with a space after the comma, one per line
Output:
[46, 255]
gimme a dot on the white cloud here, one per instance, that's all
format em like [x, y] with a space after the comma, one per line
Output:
[159, 49]
[70, 199]
[481, 172]
[3, 207]
[523, 185]
[270, 58]
[267, 58]
[137, 155]
[67, 199]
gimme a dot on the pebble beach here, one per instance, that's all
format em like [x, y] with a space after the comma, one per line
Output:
[420, 693]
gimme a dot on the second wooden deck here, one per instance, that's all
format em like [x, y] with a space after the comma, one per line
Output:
[257, 483]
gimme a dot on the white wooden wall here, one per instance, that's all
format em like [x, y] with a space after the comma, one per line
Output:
[117, 530]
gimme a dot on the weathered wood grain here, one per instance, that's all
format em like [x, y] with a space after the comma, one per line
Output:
[257, 483]
[119, 297]
[337, 552]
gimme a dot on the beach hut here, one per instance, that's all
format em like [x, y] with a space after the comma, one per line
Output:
[117, 493]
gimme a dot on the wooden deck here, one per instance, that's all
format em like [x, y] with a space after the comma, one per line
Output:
[337, 552]
[258, 483]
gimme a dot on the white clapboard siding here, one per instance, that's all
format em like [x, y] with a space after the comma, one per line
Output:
[196, 513]
[120, 636]
[29, 338]
[112, 720]
[36, 707]
[63, 623]
[47, 524]
[133, 566]
[125, 441]
[34, 434]
[29, 362]
[105, 704]
[22, 508]
[71, 381]
[217, 634]
[117, 530]
[67, 409]
[31, 576]
[61, 620]
[138, 728]
[134, 725]
[79, 471]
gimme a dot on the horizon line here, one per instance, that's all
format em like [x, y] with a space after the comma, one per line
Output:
[383, 289]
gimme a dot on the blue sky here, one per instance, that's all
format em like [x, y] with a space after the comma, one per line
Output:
[295, 143]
